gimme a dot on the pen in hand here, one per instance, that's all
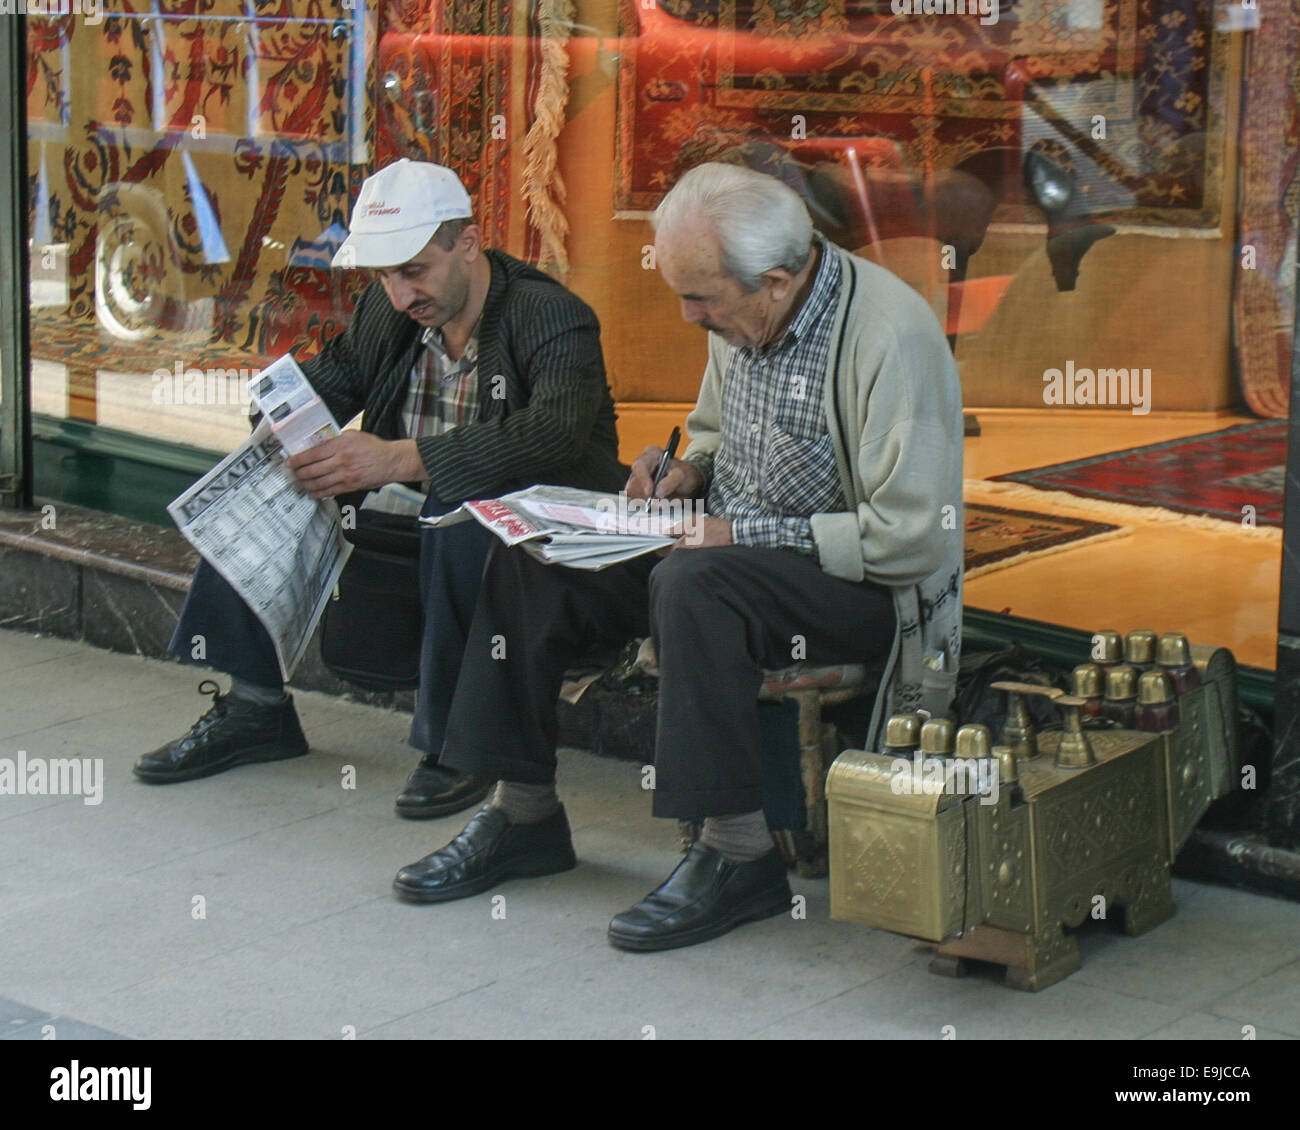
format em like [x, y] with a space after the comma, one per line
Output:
[664, 460]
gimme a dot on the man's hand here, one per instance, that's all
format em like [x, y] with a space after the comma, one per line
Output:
[356, 461]
[681, 480]
[702, 533]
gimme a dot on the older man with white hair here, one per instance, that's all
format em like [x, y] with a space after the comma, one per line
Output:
[827, 446]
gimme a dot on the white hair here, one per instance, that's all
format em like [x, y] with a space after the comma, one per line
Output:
[761, 223]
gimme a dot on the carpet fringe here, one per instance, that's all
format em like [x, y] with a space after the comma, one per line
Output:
[1152, 515]
[544, 188]
[1031, 554]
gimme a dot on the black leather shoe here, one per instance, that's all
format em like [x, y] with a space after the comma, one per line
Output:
[432, 790]
[232, 732]
[488, 851]
[704, 897]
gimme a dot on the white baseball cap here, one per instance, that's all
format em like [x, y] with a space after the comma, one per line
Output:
[397, 212]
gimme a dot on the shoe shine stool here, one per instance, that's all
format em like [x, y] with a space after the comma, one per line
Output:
[1083, 823]
[810, 688]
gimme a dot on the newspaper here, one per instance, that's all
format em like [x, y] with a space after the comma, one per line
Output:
[582, 529]
[299, 418]
[281, 550]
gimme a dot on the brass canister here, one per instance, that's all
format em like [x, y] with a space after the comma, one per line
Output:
[974, 740]
[1140, 647]
[1086, 682]
[1174, 654]
[1157, 705]
[1121, 683]
[902, 732]
[1173, 650]
[1107, 647]
[937, 736]
[1120, 703]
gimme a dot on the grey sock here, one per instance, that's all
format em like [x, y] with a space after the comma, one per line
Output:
[525, 804]
[255, 692]
[740, 839]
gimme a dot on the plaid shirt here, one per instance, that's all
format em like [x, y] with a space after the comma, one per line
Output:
[443, 393]
[774, 467]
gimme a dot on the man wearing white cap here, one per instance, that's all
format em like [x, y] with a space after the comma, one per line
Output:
[475, 374]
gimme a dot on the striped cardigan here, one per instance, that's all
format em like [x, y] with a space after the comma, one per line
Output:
[545, 410]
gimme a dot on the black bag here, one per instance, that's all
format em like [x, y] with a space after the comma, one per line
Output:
[977, 701]
[371, 630]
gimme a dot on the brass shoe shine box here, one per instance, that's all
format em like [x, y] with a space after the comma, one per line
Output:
[992, 849]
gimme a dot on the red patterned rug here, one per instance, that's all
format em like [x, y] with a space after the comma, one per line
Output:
[825, 78]
[1216, 475]
[997, 537]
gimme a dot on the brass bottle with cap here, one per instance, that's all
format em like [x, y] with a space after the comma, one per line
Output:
[1120, 703]
[1086, 682]
[1157, 705]
[973, 740]
[937, 736]
[1174, 655]
[1140, 649]
[1107, 648]
[902, 733]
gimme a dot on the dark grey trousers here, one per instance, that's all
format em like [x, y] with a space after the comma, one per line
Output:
[718, 616]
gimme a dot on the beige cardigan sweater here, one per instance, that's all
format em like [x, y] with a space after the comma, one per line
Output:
[893, 400]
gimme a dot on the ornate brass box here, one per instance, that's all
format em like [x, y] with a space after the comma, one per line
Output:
[1088, 824]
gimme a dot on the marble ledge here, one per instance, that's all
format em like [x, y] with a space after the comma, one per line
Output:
[102, 542]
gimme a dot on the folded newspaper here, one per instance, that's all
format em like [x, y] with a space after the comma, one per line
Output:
[583, 529]
[281, 550]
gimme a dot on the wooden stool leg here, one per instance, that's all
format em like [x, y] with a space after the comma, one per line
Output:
[812, 760]
[812, 769]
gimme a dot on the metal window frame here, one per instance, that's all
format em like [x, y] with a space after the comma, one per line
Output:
[15, 351]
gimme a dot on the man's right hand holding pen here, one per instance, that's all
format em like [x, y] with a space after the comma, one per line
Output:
[680, 480]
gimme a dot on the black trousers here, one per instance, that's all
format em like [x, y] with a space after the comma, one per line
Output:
[451, 565]
[718, 616]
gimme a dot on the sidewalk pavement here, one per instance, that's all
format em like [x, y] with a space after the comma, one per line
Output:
[256, 904]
